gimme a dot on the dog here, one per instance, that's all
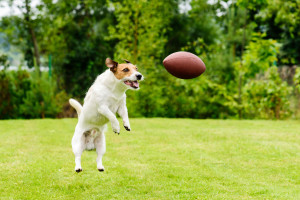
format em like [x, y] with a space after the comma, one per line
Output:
[104, 99]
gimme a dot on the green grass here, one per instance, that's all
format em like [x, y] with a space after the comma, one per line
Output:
[159, 159]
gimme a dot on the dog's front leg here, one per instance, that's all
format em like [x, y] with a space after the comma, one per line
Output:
[105, 111]
[122, 111]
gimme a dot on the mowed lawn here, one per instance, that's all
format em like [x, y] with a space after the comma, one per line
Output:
[158, 159]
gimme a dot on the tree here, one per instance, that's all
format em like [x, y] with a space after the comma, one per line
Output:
[21, 31]
[280, 20]
[140, 31]
[75, 39]
[140, 36]
[264, 93]
[30, 27]
[194, 25]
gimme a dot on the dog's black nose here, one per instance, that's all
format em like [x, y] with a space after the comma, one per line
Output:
[139, 76]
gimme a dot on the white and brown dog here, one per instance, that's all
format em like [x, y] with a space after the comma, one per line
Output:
[104, 99]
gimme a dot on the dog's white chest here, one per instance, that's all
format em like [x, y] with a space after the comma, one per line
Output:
[114, 104]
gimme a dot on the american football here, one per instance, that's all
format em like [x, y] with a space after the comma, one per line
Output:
[184, 65]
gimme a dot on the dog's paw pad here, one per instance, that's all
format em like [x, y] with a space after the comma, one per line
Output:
[78, 170]
[127, 129]
[101, 170]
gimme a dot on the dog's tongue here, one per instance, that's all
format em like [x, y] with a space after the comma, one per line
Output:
[128, 83]
[135, 84]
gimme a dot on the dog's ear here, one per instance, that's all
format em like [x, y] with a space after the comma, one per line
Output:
[112, 65]
[127, 61]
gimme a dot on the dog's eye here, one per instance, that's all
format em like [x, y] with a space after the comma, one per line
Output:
[136, 69]
[125, 70]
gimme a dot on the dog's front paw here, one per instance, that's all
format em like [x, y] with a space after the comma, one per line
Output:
[116, 128]
[126, 125]
[127, 128]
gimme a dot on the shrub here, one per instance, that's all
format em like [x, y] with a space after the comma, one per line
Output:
[26, 95]
[6, 101]
[267, 98]
[195, 98]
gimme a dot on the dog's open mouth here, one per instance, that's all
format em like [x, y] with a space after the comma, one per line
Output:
[133, 84]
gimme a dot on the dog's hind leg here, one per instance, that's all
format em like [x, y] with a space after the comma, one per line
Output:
[100, 149]
[78, 146]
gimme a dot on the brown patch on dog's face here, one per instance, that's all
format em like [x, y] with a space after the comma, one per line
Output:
[125, 70]
[126, 73]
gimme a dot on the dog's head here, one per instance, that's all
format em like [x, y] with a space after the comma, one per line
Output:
[127, 73]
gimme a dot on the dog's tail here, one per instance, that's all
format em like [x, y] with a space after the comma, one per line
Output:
[75, 104]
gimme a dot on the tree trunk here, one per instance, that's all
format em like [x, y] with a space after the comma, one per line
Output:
[36, 50]
[277, 108]
[135, 43]
[240, 96]
[241, 67]
[32, 34]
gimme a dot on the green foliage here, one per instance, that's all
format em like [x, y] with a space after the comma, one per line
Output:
[140, 31]
[198, 25]
[281, 21]
[252, 4]
[267, 98]
[297, 79]
[76, 41]
[161, 94]
[39, 100]
[6, 104]
[237, 40]
[264, 93]
[4, 61]
[196, 98]
[71, 31]
[260, 54]
[25, 95]
[14, 86]
[20, 30]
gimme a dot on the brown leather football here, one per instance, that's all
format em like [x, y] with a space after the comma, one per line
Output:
[184, 65]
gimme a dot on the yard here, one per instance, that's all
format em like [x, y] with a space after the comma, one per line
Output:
[159, 159]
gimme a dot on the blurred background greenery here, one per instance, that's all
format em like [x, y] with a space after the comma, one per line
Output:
[251, 50]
